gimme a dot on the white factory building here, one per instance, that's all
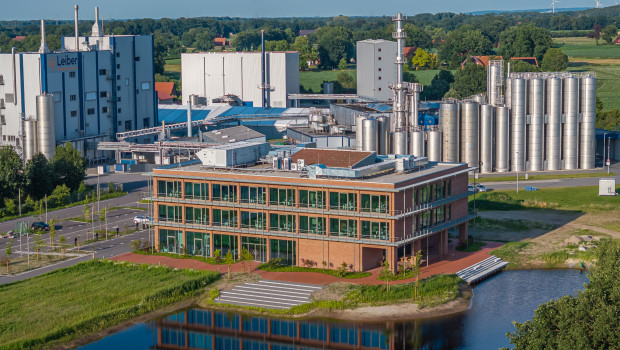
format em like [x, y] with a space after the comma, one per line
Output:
[376, 69]
[235, 77]
[92, 88]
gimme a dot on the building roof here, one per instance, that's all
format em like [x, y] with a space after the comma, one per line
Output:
[531, 60]
[233, 134]
[165, 90]
[220, 41]
[19, 38]
[617, 41]
[410, 51]
[330, 157]
[479, 60]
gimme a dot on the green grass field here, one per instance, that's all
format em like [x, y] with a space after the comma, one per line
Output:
[312, 80]
[608, 81]
[539, 177]
[587, 48]
[88, 297]
[583, 198]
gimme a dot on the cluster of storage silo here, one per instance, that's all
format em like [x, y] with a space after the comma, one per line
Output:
[39, 136]
[547, 123]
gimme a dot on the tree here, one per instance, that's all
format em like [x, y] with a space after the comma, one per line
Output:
[9, 206]
[417, 37]
[424, 59]
[39, 176]
[342, 64]
[62, 240]
[554, 60]
[111, 187]
[302, 45]
[276, 45]
[334, 43]
[229, 259]
[519, 66]
[609, 34]
[39, 209]
[136, 245]
[525, 40]
[468, 81]
[247, 257]
[439, 86]
[386, 274]
[9, 252]
[52, 224]
[609, 120]
[246, 40]
[596, 32]
[416, 271]
[589, 320]
[102, 219]
[11, 174]
[458, 44]
[69, 166]
[86, 213]
[38, 242]
[60, 193]
[599, 105]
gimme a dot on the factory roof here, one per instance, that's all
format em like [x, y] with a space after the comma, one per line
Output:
[233, 134]
[331, 158]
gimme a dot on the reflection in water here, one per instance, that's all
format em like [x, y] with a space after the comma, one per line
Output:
[512, 295]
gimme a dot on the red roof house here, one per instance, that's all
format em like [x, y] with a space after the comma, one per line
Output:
[531, 60]
[166, 93]
[617, 41]
[19, 38]
[220, 41]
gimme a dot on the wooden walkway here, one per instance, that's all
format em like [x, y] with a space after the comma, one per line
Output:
[482, 270]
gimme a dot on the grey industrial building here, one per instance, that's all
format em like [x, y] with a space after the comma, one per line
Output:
[375, 68]
[84, 93]
[236, 78]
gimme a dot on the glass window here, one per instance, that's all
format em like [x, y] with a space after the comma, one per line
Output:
[225, 243]
[168, 188]
[253, 194]
[197, 215]
[311, 225]
[311, 199]
[286, 251]
[375, 203]
[343, 227]
[224, 217]
[195, 190]
[282, 222]
[197, 243]
[225, 193]
[343, 201]
[253, 220]
[375, 230]
[169, 213]
[170, 241]
[256, 246]
[282, 196]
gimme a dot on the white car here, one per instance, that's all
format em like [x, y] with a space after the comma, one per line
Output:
[481, 188]
[141, 219]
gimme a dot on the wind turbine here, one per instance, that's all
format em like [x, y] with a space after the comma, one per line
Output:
[598, 4]
[553, 2]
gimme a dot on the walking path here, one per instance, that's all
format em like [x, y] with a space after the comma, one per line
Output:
[456, 261]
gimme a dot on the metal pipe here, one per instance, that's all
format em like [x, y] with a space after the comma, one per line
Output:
[77, 34]
[189, 118]
[43, 48]
[95, 30]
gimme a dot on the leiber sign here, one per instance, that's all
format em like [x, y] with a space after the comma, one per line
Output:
[62, 62]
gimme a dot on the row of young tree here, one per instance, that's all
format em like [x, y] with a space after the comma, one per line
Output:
[56, 178]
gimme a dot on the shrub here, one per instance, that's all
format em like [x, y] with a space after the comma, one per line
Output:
[136, 244]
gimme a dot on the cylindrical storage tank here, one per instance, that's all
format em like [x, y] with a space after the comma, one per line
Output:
[414, 100]
[588, 111]
[517, 125]
[30, 143]
[508, 92]
[469, 132]
[486, 138]
[328, 88]
[502, 137]
[449, 121]
[553, 136]
[400, 143]
[491, 83]
[382, 139]
[45, 117]
[369, 130]
[537, 118]
[571, 125]
[417, 142]
[434, 145]
[359, 135]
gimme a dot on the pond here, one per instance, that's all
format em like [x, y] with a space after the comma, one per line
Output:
[511, 295]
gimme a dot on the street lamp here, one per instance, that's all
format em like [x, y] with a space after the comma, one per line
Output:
[604, 158]
[517, 172]
[608, 154]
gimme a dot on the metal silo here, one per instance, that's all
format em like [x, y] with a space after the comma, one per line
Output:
[449, 121]
[571, 124]
[434, 145]
[30, 143]
[369, 130]
[502, 137]
[400, 142]
[382, 139]
[417, 142]
[535, 137]
[45, 117]
[517, 125]
[359, 135]
[553, 148]
[495, 81]
[480, 99]
[469, 132]
[588, 111]
[486, 138]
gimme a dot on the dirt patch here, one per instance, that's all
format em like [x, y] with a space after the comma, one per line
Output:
[333, 291]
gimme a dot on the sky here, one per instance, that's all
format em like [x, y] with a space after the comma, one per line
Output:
[126, 9]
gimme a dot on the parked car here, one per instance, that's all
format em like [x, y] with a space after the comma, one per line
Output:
[12, 234]
[141, 219]
[40, 225]
[481, 188]
[471, 188]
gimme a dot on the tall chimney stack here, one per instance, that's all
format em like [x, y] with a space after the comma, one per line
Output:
[77, 34]
[43, 48]
[96, 31]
